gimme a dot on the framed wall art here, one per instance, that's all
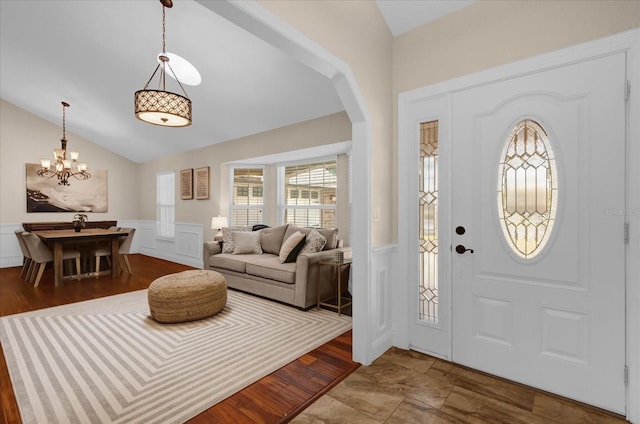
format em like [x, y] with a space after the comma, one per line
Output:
[186, 184]
[46, 195]
[202, 183]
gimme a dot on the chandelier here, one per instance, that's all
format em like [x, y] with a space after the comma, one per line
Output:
[161, 107]
[63, 168]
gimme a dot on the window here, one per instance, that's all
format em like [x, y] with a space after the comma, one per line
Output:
[527, 189]
[246, 209]
[428, 222]
[312, 194]
[165, 204]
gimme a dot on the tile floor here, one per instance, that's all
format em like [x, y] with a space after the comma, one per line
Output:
[409, 387]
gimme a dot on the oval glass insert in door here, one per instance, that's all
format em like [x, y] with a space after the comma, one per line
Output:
[527, 189]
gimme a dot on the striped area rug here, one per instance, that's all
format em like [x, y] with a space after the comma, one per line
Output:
[107, 361]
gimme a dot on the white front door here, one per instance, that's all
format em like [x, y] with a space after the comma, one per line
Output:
[541, 299]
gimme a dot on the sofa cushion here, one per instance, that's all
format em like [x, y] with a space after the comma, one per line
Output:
[331, 234]
[270, 267]
[271, 239]
[245, 242]
[227, 237]
[231, 262]
[314, 242]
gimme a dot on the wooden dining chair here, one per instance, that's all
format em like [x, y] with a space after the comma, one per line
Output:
[41, 254]
[26, 256]
[124, 251]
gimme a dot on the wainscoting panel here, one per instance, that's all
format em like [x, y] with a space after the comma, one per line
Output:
[185, 249]
[380, 300]
[10, 253]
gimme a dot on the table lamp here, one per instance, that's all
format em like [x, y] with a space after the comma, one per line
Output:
[217, 222]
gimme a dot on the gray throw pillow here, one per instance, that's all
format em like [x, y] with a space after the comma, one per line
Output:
[331, 234]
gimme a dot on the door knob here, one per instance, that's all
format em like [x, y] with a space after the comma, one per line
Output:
[461, 249]
[460, 230]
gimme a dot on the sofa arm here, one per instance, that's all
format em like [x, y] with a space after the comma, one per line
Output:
[209, 248]
[306, 291]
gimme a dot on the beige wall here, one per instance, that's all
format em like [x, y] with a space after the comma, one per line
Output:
[355, 32]
[26, 138]
[491, 33]
[326, 130]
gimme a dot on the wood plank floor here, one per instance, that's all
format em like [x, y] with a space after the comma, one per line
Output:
[274, 399]
[399, 387]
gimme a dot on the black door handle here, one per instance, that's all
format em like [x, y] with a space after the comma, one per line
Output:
[461, 249]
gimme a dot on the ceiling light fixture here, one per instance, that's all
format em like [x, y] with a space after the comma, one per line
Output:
[161, 107]
[62, 168]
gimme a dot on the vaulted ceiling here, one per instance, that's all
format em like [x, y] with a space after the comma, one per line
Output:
[96, 54]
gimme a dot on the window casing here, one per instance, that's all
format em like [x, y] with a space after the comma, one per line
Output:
[309, 194]
[248, 189]
[165, 205]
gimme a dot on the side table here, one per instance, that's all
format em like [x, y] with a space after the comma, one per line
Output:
[339, 301]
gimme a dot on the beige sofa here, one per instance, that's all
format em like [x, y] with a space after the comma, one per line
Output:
[263, 273]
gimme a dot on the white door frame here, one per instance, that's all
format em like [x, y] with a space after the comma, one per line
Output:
[410, 101]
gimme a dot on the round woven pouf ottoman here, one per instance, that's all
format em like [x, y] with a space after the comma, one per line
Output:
[187, 296]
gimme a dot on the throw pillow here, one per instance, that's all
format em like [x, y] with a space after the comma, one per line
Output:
[291, 247]
[271, 239]
[227, 237]
[331, 234]
[246, 242]
[315, 242]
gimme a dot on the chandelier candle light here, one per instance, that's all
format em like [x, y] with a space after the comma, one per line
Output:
[63, 167]
[161, 107]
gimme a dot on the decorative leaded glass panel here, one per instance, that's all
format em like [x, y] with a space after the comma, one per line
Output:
[428, 226]
[527, 189]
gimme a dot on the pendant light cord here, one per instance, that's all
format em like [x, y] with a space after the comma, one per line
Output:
[164, 63]
[64, 120]
[164, 28]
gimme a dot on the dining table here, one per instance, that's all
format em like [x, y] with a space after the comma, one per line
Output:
[59, 238]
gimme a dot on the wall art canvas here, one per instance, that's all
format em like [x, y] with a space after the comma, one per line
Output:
[202, 183]
[46, 195]
[186, 184]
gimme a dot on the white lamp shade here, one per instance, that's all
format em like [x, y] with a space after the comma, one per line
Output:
[218, 222]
